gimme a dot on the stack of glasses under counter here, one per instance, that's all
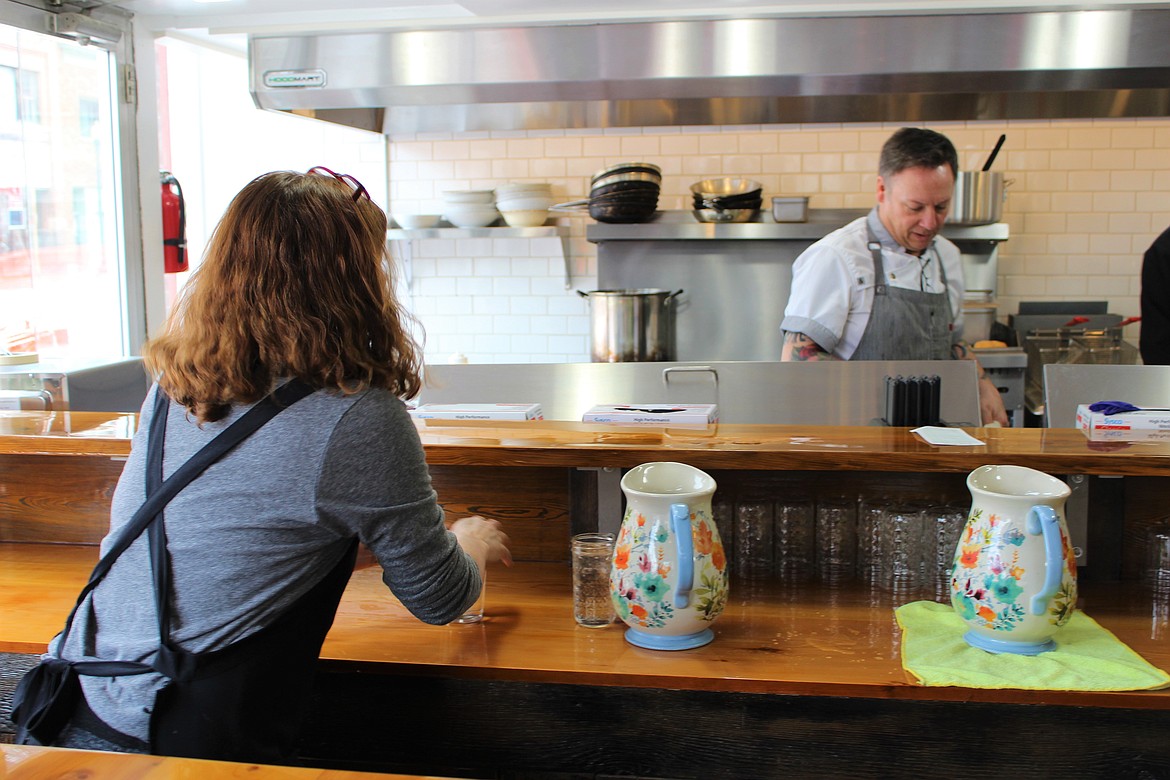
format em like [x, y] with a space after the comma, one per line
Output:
[899, 546]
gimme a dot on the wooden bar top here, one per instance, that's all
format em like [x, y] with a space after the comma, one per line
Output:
[719, 446]
[24, 762]
[816, 641]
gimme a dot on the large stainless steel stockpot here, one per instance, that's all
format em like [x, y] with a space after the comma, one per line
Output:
[978, 198]
[632, 325]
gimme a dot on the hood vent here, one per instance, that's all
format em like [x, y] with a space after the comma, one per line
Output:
[1075, 64]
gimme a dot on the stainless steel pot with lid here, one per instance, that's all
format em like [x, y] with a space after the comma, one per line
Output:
[632, 325]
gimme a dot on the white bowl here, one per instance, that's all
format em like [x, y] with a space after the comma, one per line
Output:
[416, 221]
[472, 217]
[525, 203]
[469, 196]
[470, 209]
[523, 189]
[526, 218]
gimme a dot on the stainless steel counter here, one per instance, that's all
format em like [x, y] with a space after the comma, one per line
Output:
[79, 385]
[820, 393]
[1068, 385]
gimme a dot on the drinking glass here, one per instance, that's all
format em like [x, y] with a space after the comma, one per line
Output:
[1158, 560]
[753, 539]
[944, 526]
[836, 538]
[901, 565]
[474, 613]
[592, 559]
[869, 540]
[794, 539]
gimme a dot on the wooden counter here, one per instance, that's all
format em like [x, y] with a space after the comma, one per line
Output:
[758, 447]
[23, 762]
[771, 638]
[528, 687]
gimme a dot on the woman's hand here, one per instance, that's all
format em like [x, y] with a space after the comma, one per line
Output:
[482, 539]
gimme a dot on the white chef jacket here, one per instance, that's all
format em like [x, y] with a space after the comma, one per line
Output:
[832, 284]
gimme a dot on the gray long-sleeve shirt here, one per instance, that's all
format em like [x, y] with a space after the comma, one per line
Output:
[260, 527]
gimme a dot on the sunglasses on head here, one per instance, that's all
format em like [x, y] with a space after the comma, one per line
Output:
[358, 189]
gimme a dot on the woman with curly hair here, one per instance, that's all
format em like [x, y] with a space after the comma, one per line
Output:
[294, 292]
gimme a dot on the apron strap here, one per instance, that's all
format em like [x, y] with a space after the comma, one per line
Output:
[879, 268]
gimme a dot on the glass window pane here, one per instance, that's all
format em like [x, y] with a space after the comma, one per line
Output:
[60, 233]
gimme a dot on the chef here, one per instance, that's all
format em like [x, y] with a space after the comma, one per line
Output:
[887, 286]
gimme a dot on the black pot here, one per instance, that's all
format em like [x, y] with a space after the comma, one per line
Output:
[642, 187]
[622, 210]
[638, 196]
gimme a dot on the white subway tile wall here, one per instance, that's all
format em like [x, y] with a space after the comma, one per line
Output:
[1085, 198]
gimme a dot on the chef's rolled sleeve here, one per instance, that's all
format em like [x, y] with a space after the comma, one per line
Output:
[825, 338]
[820, 302]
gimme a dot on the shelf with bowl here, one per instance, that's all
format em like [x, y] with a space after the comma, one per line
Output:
[404, 238]
[679, 225]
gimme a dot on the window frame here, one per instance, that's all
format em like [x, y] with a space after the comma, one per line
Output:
[130, 184]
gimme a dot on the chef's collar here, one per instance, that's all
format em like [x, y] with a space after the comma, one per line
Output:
[887, 241]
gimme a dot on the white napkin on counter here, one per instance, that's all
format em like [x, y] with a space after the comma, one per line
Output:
[944, 437]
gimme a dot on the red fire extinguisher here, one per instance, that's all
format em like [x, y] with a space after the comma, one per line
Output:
[174, 213]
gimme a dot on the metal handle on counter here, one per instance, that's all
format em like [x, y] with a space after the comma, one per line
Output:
[666, 372]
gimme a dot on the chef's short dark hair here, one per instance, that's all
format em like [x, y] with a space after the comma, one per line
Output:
[917, 147]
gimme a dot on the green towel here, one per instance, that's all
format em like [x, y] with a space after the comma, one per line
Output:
[1087, 657]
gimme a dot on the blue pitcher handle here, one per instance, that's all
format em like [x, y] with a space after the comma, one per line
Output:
[680, 526]
[1044, 520]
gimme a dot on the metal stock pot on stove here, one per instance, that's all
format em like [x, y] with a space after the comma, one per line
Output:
[632, 325]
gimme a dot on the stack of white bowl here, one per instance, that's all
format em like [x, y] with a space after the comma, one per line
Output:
[470, 208]
[524, 204]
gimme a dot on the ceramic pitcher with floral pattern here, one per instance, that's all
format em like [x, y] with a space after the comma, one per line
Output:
[669, 573]
[1014, 579]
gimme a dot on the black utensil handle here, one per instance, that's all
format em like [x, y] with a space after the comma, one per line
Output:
[994, 152]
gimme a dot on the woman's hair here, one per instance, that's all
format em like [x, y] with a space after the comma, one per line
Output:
[295, 283]
[917, 147]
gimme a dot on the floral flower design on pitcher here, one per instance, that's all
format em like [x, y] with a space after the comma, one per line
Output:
[640, 579]
[986, 578]
[990, 592]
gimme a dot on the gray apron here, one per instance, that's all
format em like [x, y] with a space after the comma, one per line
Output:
[905, 324]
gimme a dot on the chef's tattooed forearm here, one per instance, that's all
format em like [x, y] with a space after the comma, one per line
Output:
[799, 347]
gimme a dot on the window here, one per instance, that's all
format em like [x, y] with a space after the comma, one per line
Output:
[9, 97]
[61, 277]
[30, 96]
[88, 115]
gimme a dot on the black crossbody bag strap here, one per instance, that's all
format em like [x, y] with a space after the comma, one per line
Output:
[271, 405]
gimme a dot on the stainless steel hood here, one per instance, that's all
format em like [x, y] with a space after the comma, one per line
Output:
[1110, 63]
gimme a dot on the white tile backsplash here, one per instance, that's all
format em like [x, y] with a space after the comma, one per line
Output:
[1085, 198]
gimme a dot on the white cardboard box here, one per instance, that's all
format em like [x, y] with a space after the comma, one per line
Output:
[478, 412]
[653, 414]
[1142, 425]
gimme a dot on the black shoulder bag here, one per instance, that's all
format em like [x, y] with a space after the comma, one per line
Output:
[49, 693]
